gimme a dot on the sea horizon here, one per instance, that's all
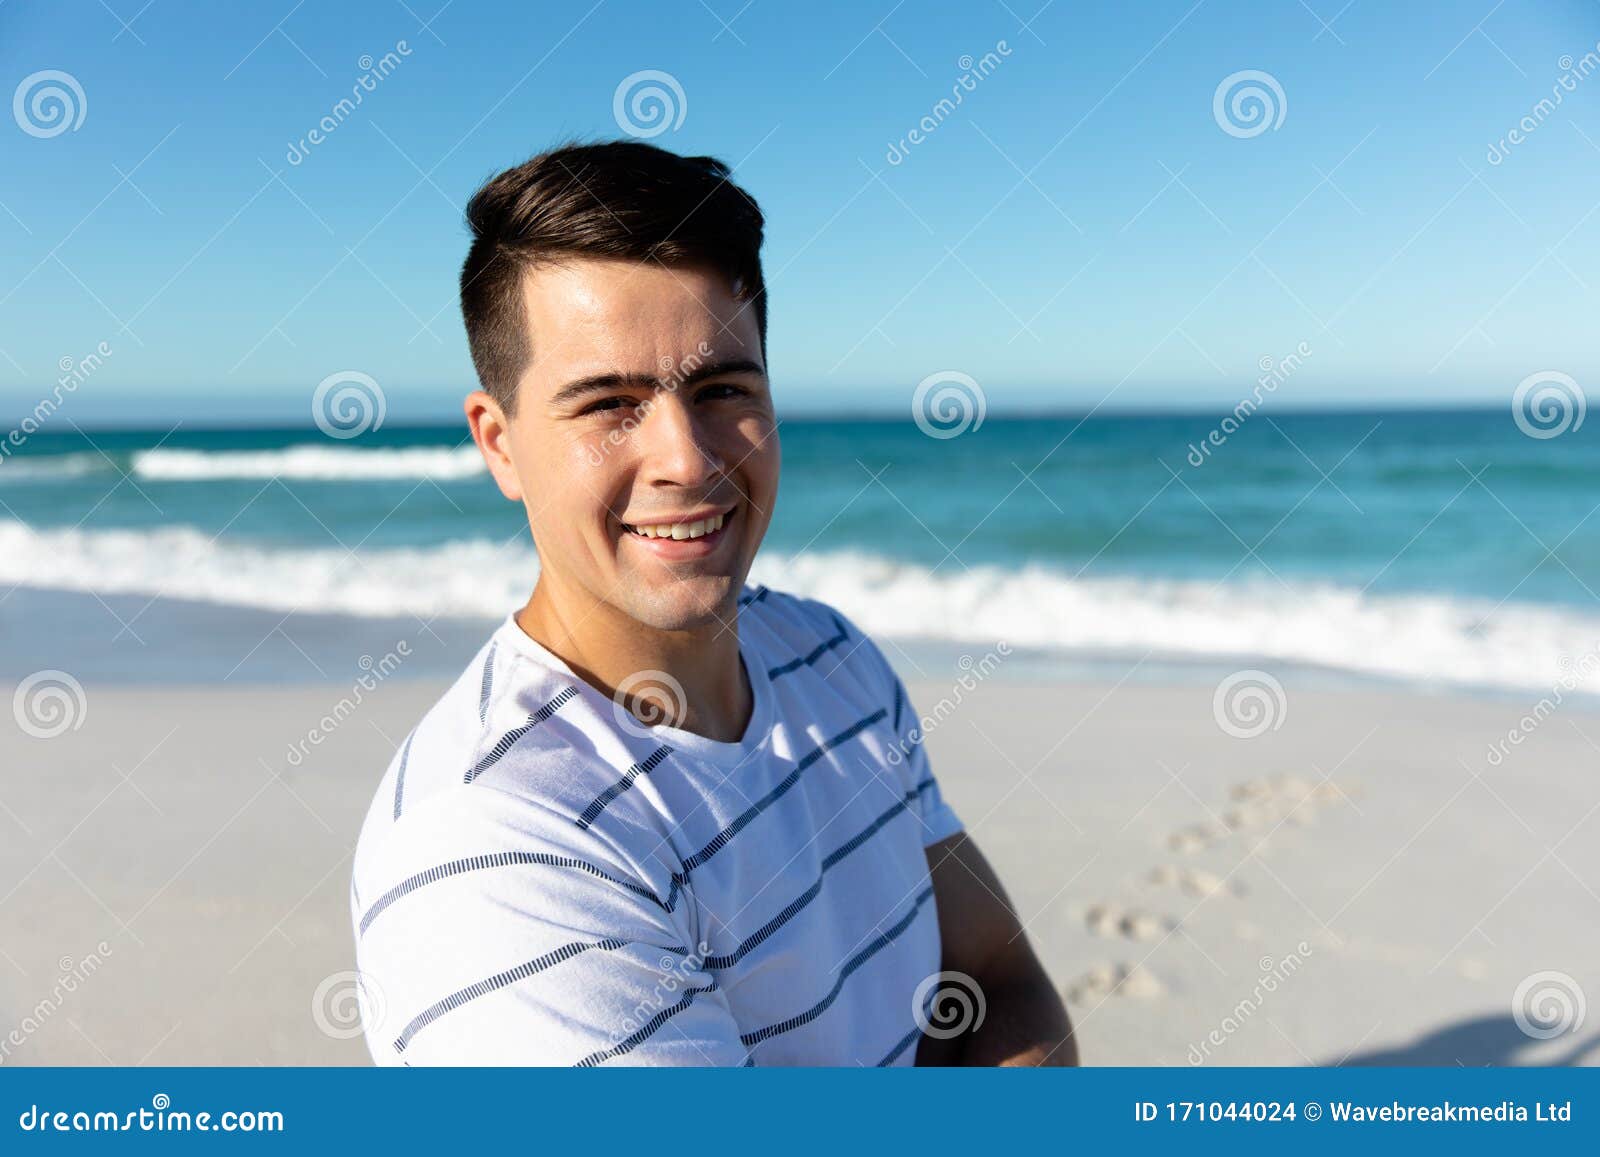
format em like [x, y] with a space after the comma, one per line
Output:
[1434, 547]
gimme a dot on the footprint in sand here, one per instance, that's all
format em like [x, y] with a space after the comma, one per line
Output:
[1108, 980]
[1195, 882]
[1260, 805]
[1126, 924]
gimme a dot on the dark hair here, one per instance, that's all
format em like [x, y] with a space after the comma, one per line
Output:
[618, 199]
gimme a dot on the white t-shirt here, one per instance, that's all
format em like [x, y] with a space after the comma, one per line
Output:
[543, 879]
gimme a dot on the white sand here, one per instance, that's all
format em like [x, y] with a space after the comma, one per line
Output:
[1159, 863]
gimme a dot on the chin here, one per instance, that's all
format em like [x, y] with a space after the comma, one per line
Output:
[687, 606]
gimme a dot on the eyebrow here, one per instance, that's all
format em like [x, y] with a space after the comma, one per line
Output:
[602, 383]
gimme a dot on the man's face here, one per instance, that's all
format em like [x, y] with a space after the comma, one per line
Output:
[643, 418]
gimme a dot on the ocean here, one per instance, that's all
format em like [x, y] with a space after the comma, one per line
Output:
[1441, 548]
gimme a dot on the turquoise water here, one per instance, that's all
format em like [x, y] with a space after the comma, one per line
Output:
[1440, 546]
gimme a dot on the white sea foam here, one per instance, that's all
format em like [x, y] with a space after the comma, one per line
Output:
[1425, 637]
[309, 461]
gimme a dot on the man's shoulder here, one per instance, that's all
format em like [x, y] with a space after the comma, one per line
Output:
[808, 639]
[509, 728]
[791, 620]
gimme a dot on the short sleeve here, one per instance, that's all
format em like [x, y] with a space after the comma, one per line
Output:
[939, 820]
[502, 934]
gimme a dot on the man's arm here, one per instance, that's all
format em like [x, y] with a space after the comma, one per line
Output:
[1024, 1021]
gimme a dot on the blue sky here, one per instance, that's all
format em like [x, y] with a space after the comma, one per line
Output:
[1080, 231]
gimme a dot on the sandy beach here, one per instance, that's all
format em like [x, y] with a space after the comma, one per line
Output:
[1363, 883]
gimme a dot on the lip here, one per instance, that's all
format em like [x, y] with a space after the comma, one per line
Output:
[676, 549]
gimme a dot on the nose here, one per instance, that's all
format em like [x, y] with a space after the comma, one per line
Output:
[674, 445]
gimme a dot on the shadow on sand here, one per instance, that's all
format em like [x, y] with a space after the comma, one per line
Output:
[1485, 1040]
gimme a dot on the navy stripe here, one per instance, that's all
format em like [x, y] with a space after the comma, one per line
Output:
[721, 839]
[494, 860]
[914, 1034]
[521, 972]
[602, 801]
[816, 652]
[678, 880]
[646, 1032]
[905, 1042]
[899, 704]
[879, 943]
[400, 776]
[509, 738]
[800, 902]
[755, 598]
[488, 682]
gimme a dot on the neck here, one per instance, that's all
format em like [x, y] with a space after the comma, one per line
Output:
[612, 651]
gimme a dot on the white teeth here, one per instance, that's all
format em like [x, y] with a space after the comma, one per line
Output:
[681, 530]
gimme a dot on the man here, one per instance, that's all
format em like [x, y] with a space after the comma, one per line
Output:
[664, 818]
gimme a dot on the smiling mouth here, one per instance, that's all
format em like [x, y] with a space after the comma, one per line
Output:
[698, 529]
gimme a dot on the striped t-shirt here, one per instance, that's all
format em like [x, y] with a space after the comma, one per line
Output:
[544, 879]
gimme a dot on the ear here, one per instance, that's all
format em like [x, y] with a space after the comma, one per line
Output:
[491, 430]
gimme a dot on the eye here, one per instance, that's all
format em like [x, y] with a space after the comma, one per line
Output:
[604, 404]
[722, 390]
